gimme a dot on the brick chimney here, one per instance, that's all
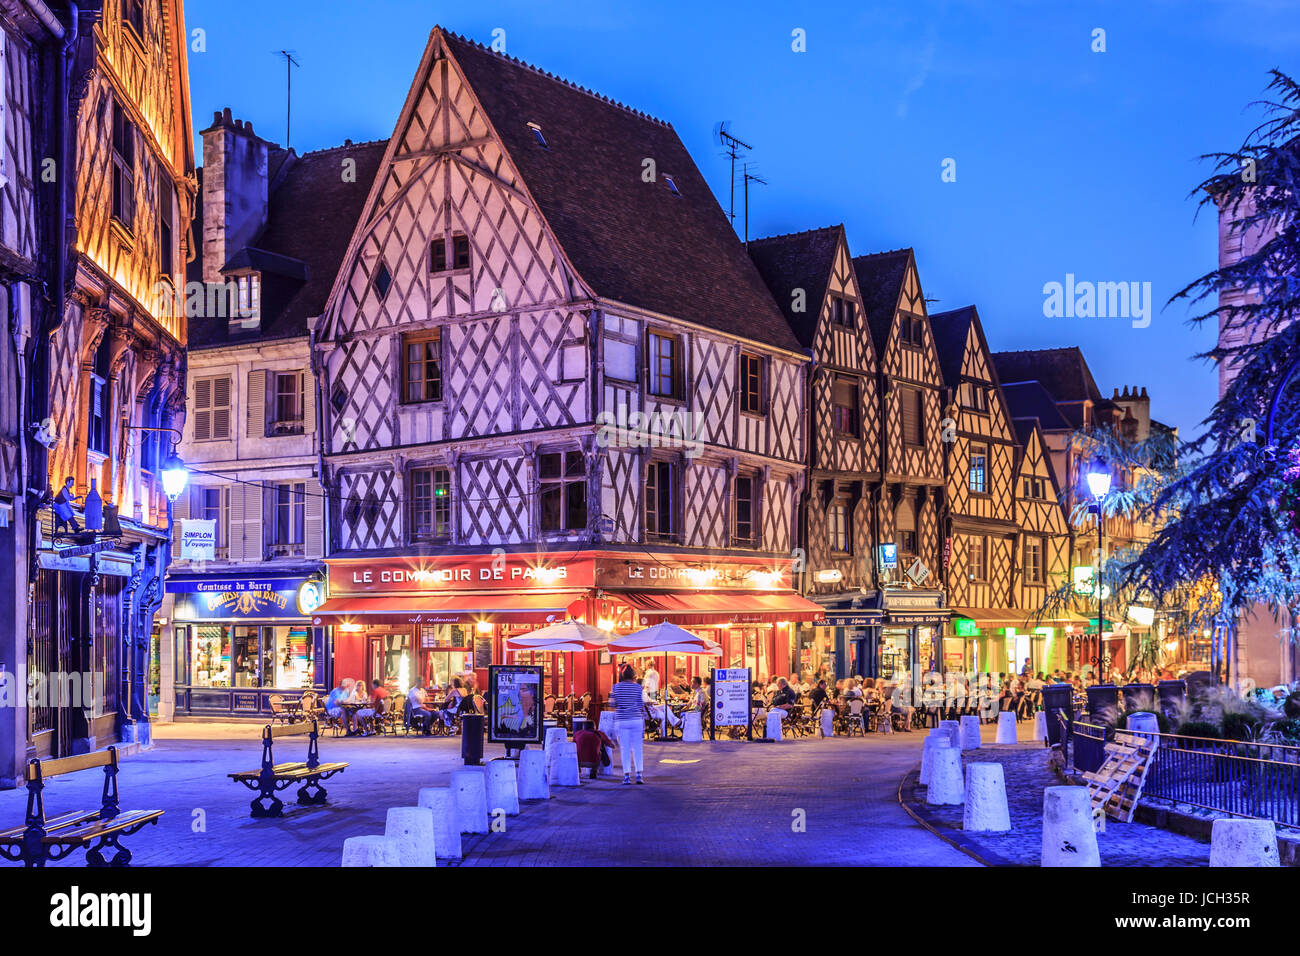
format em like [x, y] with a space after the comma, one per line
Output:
[234, 190]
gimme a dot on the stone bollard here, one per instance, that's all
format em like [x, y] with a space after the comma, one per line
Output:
[564, 765]
[692, 727]
[470, 788]
[534, 783]
[606, 725]
[953, 730]
[1146, 726]
[554, 735]
[1006, 727]
[986, 799]
[503, 786]
[441, 802]
[827, 720]
[970, 732]
[946, 785]
[772, 729]
[932, 743]
[1242, 842]
[371, 851]
[1040, 725]
[1068, 835]
[412, 828]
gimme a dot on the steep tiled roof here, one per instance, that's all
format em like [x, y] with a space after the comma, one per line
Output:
[1030, 400]
[629, 240]
[1062, 371]
[310, 218]
[880, 280]
[950, 330]
[799, 260]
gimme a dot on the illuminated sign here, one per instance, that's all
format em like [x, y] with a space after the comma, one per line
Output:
[310, 596]
[1083, 582]
[965, 627]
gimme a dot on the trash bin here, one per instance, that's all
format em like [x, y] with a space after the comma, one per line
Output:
[1171, 694]
[1139, 696]
[471, 739]
[1103, 704]
[1058, 703]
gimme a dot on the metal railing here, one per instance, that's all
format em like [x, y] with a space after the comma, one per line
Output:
[1241, 778]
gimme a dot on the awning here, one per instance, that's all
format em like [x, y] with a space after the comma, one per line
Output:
[526, 608]
[719, 607]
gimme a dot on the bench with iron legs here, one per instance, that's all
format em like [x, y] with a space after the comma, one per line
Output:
[272, 776]
[41, 839]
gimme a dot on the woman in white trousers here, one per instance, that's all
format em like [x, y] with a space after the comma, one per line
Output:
[629, 723]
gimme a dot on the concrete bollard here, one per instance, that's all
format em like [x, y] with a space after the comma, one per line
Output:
[692, 727]
[970, 732]
[772, 729]
[412, 828]
[564, 765]
[1040, 725]
[827, 720]
[1006, 727]
[932, 743]
[1068, 835]
[534, 783]
[946, 784]
[470, 788]
[1241, 842]
[953, 730]
[554, 735]
[986, 799]
[441, 802]
[1146, 726]
[371, 851]
[606, 725]
[503, 786]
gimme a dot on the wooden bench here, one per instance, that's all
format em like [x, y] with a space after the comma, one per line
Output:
[272, 776]
[41, 839]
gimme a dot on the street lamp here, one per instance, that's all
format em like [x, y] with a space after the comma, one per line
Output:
[174, 478]
[1099, 485]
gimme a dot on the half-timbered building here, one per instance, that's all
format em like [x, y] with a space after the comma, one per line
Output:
[911, 465]
[552, 383]
[810, 274]
[274, 227]
[978, 521]
[116, 366]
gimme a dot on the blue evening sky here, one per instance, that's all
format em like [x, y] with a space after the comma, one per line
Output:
[1067, 161]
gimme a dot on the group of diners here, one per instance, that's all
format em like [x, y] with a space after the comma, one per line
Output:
[352, 709]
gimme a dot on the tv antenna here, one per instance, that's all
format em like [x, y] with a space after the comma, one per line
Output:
[289, 64]
[749, 178]
[731, 146]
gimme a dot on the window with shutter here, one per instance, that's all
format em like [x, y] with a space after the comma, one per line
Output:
[905, 526]
[256, 426]
[221, 407]
[202, 409]
[978, 479]
[910, 400]
[844, 407]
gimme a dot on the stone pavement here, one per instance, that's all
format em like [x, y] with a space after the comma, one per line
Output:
[724, 803]
[1026, 772]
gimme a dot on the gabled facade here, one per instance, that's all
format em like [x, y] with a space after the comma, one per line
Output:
[116, 363]
[979, 520]
[810, 274]
[274, 228]
[538, 347]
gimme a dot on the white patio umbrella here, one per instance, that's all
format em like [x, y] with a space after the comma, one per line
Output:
[667, 639]
[566, 637]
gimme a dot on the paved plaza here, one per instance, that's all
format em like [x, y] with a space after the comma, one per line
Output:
[710, 804]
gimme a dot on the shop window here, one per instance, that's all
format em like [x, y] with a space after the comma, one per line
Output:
[751, 383]
[978, 478]
[746, 512]
[837, 527]
[1035, 570]
[845, 403]
[291, 656]
[210, 659]
[562, 487]
[288, 519]
[430, 503]
[661, 505]
[422, 366]
[664, 365]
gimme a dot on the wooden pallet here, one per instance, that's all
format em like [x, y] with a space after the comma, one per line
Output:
[1116, 786]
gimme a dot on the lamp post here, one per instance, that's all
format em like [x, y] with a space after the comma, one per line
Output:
[1099, 485]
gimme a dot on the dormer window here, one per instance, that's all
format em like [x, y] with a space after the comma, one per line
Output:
[248, 295]
[537, 135]
[843, 312]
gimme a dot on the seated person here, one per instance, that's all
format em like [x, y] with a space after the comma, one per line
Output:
[421, 713]
[591, 746]
[337, 698]
[364, 719]
[699, 699]
[819, 695]
[452, 702]
[784, 700]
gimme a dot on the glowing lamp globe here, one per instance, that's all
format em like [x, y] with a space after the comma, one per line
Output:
[174, 478]
[1099, 483]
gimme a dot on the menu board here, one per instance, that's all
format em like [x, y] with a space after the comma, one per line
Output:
[731, 697]
[514, 692]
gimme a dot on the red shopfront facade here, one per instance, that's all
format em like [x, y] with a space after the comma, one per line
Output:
[427, 619]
